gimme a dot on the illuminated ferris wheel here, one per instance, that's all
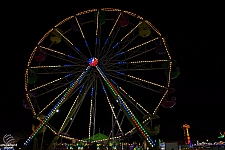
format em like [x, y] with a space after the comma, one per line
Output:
[101, 68]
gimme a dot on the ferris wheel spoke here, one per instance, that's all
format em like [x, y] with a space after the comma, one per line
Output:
[48, 125]
[112, 54]
[79, 86]
[134, 102]
[79, 99]
[56, 66]
[61, 58]
[109, 42]
[83, 36]
[139, 53]
[52, 101]
[120, 68]
[77, 107]
[58, 69]
[157, 107]
[53, 89]
[69, 114]
[115, 67]
[130, 98]
[135, 47]
[121, 122]
[127, 35]
[112, 109]
[149, 119]
[55, 85]
[90, 114]
[109, 51]
[136, 69]
[97, 37]
[136, 83]
[62, 54]
[67, 31]
[47, 73]
[126, 43]
[71, 45]
[132, 67]
[136, 65]
[73, 116]
[93, 106]
[107, 39]
[59, 85]
[72, 93]
[49, 83]
[98, 45]
[113, 58]
[140, 62]
[142, 80]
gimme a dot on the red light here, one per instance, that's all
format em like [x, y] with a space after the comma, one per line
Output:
[93, 61]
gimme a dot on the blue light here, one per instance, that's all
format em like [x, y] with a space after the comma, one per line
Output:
[76, 48]
[153, 143]
[67, 65]
[90, 60]
[81, 88]
[79, 81]
[113, 82]
[106, 41]
[86, 43]
[72, 83]
[68, 75]
[122, 62]
[120, 53]
[96, 40]
[70, 56]
[120, 73]
[92, 91]
[115, 45]
[101, 72]
[104, 89]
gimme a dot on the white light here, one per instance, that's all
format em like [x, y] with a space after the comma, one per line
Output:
[71, 118]
[57, 110]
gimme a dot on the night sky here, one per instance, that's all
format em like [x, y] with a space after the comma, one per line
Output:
[196, 38]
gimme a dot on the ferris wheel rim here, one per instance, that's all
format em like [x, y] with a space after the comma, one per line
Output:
[67, 19]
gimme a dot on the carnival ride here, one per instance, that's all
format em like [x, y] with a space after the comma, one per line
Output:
[187, 139]
[81, 71]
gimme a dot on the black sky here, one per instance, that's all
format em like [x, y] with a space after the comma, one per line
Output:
[196, 37]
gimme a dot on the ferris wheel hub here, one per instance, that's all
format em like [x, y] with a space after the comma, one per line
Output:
[93, 61]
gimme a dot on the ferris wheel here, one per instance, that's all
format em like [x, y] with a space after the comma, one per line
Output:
[101, 68]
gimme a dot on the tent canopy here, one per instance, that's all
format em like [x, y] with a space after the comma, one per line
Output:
[98, 136]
